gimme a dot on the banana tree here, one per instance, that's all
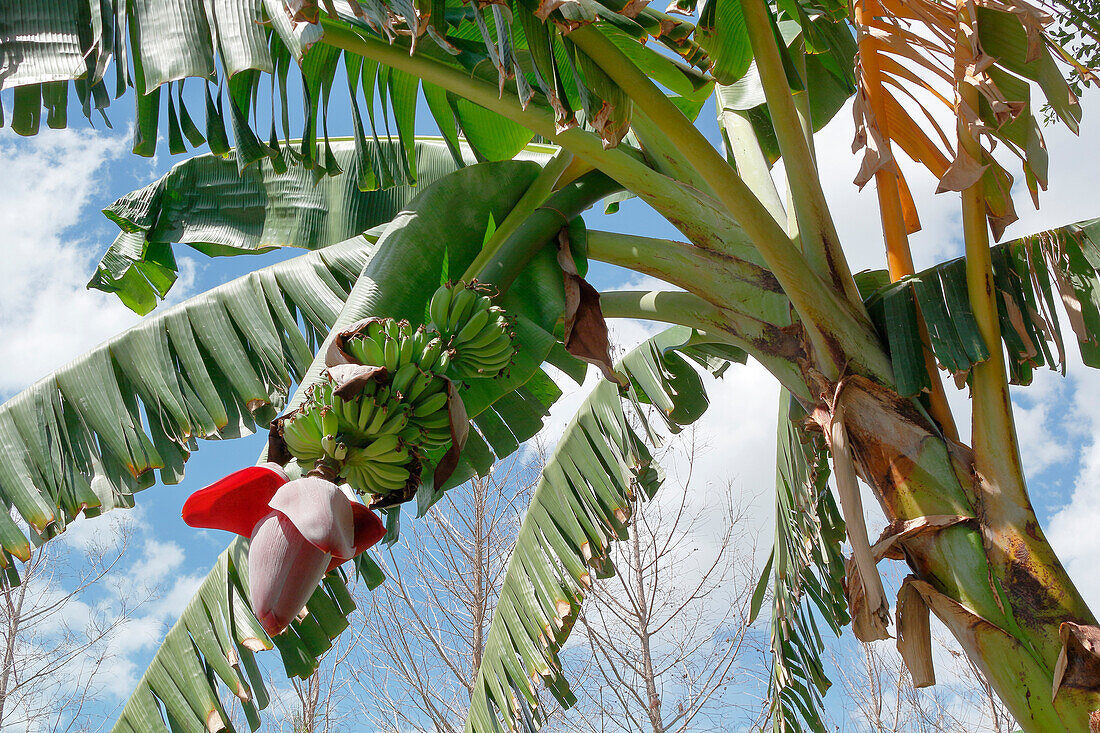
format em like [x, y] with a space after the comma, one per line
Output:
[614, 88]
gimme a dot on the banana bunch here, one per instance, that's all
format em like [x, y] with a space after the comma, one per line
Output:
[377, 440]
[396, 346]
[380, 467]
[313, 434]
[425, 395]
[477, 333]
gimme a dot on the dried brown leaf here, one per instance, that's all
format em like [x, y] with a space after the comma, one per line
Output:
[915, 635]
[351, 379]
[963, 173]
[1078, 664]
[335, 353]
[460, 430]
[889, 544]
[866, 596]
[867, 625]
[585, 327]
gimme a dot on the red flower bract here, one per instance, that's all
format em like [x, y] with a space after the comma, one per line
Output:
[299, 530]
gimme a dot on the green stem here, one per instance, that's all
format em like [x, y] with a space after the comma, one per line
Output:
[688, 209]
[664, 155]
[536, 193]
[1054, 599]
[811, 212]
[537, 117]
[542, 225]
[726, 282]
[839, 330]
[688, 309]
[996, 451]
[749, 158]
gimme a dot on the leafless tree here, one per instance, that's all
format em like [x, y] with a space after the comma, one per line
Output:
[878, 694]
[657, 648]
[663, 641]
[320, 703]
[426, 626]
[55, 639]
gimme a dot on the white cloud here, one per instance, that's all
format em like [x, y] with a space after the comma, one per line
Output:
[52, 188]
[158, 560]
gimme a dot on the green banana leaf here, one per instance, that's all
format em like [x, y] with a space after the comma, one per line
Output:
[109, 46]
[829, 79]
[581, 504]
[215, 640]
[805, 574]
[1028, 274]
[205, 203]
[87, 437]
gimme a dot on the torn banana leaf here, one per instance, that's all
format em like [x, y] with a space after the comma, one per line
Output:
[87, 437]
[205, 203]
[1029, 273]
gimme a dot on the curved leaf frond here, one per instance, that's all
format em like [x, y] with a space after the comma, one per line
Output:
[85, 438]
[215, 640]
[805, 574]
[154, 49]
[1029, 273]
[581, 504]
[204, 202]
[911, 55]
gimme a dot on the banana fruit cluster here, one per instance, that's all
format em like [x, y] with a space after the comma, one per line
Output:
[377, 441]
[476, 332]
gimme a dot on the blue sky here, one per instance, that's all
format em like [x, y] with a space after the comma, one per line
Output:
[53, 186]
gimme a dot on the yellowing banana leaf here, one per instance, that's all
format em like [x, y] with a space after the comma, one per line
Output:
[910, 53]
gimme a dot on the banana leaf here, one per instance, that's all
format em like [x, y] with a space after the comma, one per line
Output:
[205, 203]
[433, 240]
[87, 437]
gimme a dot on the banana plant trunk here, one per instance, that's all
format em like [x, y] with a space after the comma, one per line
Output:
[980, 561]
[978, 556]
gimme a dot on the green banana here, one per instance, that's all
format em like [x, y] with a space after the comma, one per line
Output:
[461, 308]
[440, 306]
[392, 351]
[473, 327]
[378, 419]
[433, 404]
[434, 386]
[430, 355]
[405, 354]
[387, 472]
[437, 419]
[367, 410]
[379, 446]
[396, 423]
[400, 456]
[403, 378]
[367, 351]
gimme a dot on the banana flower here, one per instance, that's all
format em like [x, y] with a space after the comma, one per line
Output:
[299, 530]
